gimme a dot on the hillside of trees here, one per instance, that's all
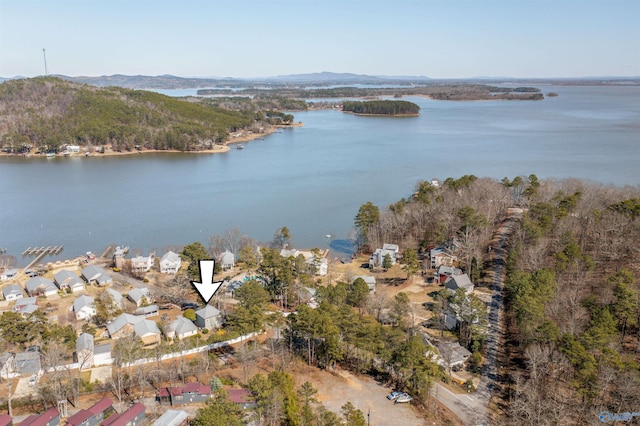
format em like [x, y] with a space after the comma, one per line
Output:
[47, 112]
[573, 313]
[440, 91]
[381, 107]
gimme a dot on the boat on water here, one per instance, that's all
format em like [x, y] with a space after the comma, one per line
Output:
[240, 147]
[51, 154]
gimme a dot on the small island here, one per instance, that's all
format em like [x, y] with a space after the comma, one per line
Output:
[389, 108]
[552, 95]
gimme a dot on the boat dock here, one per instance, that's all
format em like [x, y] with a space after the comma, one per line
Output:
[40, 252]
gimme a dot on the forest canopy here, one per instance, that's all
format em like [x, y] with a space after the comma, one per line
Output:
[381, 107]
[48, 113]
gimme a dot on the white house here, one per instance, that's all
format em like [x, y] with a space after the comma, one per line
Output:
[141, 264]
[139, 296]
[23, 304]
[181, 328]
[9, 274]
[442, 256]
[208, 317]
[97, 275]
[377, 258]
[84, 350]
[67, 279]
[84, 307]
[227, 260]
[37, 286]
[12, 292]
[370, 280]
[170, 263]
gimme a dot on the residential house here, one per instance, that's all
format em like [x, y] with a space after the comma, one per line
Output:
[139, 296]
[208, 317]
[320, 265]
[459, 281]
[68, 280]
[96, 275]
[118, 256]
[370, 280]
[28, 363]
[102, 354]
[181, 328]
[26, 305]
[51, 417]
[117, 297]
[243, 398]
[377, 258]
[6, 420]
[227, 260]
[9, 274]
[170, 263]
[38, 286]
[145, 329]
[307, 295]
[141, 264]
[12, 292]
[172, 418]
[188, 394]
[452, 355]
[84, 307]
[85, 351]
[7, 364]
[92, 416]
[444, 272]
[442, 256]
[133, 416]
[231, 287]
[148, 311]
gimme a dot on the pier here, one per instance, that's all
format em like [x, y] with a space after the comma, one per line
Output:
[40, 252]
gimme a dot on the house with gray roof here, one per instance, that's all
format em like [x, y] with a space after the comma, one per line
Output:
[455, 282]
[38, 286]
[85, 350]
[452, 355]
[9, 274]
[170, 263]
[28, 363]
[96, 275]
[370, 280]
[116, 296]
[208, 317]
[139, 296]
[377, 258]
[12, 292]
[125, 324]
[172, 418]
[23, 304]
[181, 328]
[148, 311]
[84, 307]
[68, 280]
[227, 260]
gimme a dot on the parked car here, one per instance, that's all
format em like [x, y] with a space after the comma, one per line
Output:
[186, 306]
[393, 395]
[404, 397]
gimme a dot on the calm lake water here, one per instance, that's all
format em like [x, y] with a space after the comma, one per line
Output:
[313, 179]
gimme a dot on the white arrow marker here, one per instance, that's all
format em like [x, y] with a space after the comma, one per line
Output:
[206, 288]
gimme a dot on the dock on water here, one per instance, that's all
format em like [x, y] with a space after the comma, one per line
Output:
[40, 252]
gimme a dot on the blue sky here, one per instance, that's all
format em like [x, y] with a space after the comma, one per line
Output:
[244, 38]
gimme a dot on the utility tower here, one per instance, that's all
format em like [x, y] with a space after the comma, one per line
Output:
[46, 72]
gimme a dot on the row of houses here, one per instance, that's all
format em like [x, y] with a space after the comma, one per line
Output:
[64, 280]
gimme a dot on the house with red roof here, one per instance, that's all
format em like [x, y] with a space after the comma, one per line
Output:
[51, 417]
[133, 416]
[93, 415]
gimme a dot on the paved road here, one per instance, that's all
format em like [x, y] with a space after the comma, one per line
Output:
[473, 409]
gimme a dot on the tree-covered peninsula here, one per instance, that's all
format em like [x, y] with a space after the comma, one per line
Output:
[381, 107]
[48, 113]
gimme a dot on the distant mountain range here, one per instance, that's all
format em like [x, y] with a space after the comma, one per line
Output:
[324, 78]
